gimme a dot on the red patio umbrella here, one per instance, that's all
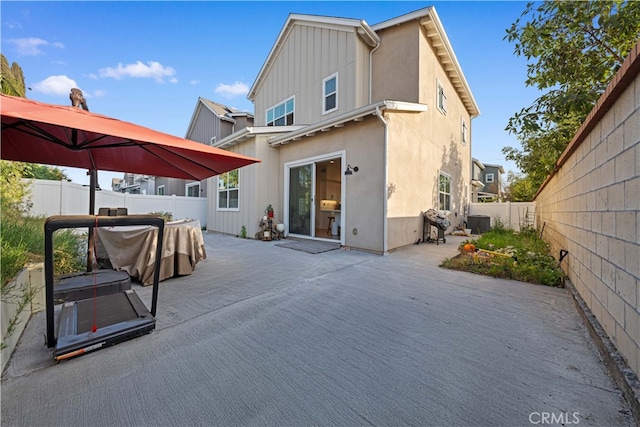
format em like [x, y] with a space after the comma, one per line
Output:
[36, 132]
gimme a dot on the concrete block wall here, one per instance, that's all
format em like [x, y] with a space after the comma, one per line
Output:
[591, 207]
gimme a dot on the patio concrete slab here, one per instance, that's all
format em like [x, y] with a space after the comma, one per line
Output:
[263, 335]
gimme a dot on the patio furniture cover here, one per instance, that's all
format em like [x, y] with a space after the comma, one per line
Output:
[133, 248]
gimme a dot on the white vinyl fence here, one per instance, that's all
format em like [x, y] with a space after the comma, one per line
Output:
[512, 214]
[67, 198]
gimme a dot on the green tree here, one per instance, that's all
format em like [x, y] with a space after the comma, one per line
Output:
[12, 83]
[519, 188]
[35, 171]
[11, 78]
[574, 49]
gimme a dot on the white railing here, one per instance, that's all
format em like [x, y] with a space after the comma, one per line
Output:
[67, 198]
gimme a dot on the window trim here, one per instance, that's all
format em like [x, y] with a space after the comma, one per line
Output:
[486, 177]
[227, 190]
[284, 104]
[189, 185]
[441, 97]
[163, 187]
[325, 95]
[440, 192]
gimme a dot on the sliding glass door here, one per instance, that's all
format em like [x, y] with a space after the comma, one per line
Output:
[301, 200]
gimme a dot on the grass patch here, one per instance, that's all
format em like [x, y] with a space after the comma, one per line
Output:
[22, 242]
[533, 260]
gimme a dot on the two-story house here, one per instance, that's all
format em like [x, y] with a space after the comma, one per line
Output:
[134, 183]
[477, 184]
[209, 123]
[492, 178]
[365, 126]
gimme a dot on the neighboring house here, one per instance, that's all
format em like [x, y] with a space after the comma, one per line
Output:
[134, 184]
[365, 126]
[477, 183]
[492, 179]
[210, 123]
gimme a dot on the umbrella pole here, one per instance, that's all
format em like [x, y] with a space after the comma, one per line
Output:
[93, 183]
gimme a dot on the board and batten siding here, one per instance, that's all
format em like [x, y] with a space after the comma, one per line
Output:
[208, 125]
[258, 185]
[308, 55]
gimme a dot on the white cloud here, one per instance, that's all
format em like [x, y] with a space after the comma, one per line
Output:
[32, 46]
[151, 69]
[55, 85]
[233, 90]
[99, 93]
[195, 82]
[12, 25]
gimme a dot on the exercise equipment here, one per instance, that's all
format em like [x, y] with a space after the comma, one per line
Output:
[101, 321]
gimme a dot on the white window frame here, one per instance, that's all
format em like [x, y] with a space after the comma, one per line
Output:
[188, 186]
[213, 140]
[326, 95]
[160, 191]
[227, 190]
[441, 97]
[464, 131]
[446, 194]
[274, 119]
[489, 177]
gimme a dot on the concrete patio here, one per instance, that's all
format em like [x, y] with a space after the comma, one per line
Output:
[265, 335]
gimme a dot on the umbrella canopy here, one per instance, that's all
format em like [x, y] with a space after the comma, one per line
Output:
[36, 132]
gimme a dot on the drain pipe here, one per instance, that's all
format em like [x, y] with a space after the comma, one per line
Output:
[386, 179]
[384, 159]
[371, 69]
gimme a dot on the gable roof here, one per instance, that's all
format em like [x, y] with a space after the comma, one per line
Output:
[430, 20]
[360, 26]
[222, 111]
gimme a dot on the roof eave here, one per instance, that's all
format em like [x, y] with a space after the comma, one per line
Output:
[355, 115]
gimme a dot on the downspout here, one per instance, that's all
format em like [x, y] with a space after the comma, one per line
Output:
[371, 69]
[384, 159]
[386, 179]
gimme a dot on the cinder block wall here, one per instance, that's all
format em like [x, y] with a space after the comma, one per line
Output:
[591, 207]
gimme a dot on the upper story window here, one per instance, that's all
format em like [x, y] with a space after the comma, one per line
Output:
[193, 189]
[330, 94]
[441, 100]
[489, 177]
[281, 114]
[464, 132]
[444, 190]
[228, 190]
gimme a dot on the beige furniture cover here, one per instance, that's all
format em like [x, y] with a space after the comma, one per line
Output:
[133, 249]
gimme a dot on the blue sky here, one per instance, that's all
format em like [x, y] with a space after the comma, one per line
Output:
[148, 62]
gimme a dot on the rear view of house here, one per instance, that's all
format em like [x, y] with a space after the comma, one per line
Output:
[360, 130]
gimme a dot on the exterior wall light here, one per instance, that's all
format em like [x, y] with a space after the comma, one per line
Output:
[350, 170]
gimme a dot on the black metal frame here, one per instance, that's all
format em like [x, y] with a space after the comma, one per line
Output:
[111, 334]
[426, 231]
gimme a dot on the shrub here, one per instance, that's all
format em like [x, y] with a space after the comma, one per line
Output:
[533, 264]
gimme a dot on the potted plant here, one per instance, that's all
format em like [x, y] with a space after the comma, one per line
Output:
[269, 211]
